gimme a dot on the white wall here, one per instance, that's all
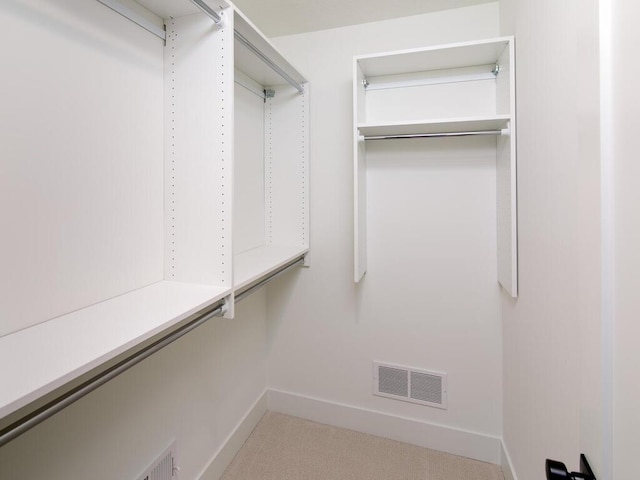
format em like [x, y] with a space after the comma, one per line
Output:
[430, 298]
[625, 110]
[552, 334]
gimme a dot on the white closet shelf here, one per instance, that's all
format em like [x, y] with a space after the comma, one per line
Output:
[452, 125]
[156, 11]
[37, 360]
[245, 59]
[254, 264]
[457, 55]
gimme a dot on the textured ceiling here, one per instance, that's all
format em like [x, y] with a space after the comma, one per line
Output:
[285, 17]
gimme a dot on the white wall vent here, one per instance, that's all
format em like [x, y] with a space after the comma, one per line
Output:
[164, 467]
[410, 384]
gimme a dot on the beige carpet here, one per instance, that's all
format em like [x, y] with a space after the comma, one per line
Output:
[289, 448]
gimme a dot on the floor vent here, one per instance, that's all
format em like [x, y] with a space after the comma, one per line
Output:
[410, 385]
[164, 467]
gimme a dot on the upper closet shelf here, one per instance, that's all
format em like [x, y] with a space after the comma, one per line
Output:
[453, 125]
[62, 349]
[272, 69]
[458, 55]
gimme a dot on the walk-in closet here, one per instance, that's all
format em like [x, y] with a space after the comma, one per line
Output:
[292, 239]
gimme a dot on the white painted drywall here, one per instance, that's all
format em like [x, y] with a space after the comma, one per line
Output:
[552, 333]
[626, 359]
[248, 172]
[430, 298]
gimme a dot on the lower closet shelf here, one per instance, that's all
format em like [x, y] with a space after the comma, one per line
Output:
[255, 264]
[36, 361]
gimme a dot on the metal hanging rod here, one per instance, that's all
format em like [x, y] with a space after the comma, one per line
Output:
[135, 17]
[26, 423]
[433, 135]
[251, 289]
[241, 38]
[159, 32]
[210, 12]
[151, 27]
[257, 93]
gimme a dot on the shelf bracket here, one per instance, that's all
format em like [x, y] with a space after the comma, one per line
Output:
[496, 70]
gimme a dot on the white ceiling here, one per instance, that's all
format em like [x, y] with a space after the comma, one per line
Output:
[285, 17]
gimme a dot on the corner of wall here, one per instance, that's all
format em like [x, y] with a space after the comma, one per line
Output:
[224, 456]
[505, 463]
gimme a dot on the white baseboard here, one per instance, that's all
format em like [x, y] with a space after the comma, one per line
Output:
[507, 466]
[437, 437]
[223, 457]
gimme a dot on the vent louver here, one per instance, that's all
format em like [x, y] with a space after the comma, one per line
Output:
[410, 385]
[164, 467]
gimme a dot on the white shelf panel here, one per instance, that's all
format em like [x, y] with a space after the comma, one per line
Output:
[440, 57]
[39, 359]
[249, 64]
[495, 122]
[254, 264]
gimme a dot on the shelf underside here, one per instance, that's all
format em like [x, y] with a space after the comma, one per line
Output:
[254, 264]
[248, 62]
[470, 124]
[245, 60]
[435, 58]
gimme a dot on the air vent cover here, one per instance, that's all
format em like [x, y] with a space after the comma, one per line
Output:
[164, 467]
[410, 384]
[393, 381]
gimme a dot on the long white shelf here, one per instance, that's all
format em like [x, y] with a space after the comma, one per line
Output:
[494, 122]
[247, 62]
[255, 264]
[39, 359]
[439, 57]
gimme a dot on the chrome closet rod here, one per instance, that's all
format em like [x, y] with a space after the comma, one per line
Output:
[135, 17]
[26, 423]
[251, 289]
[210, 12]
[151, 27]
[433, 135]
[243, 40]
[138, 19]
